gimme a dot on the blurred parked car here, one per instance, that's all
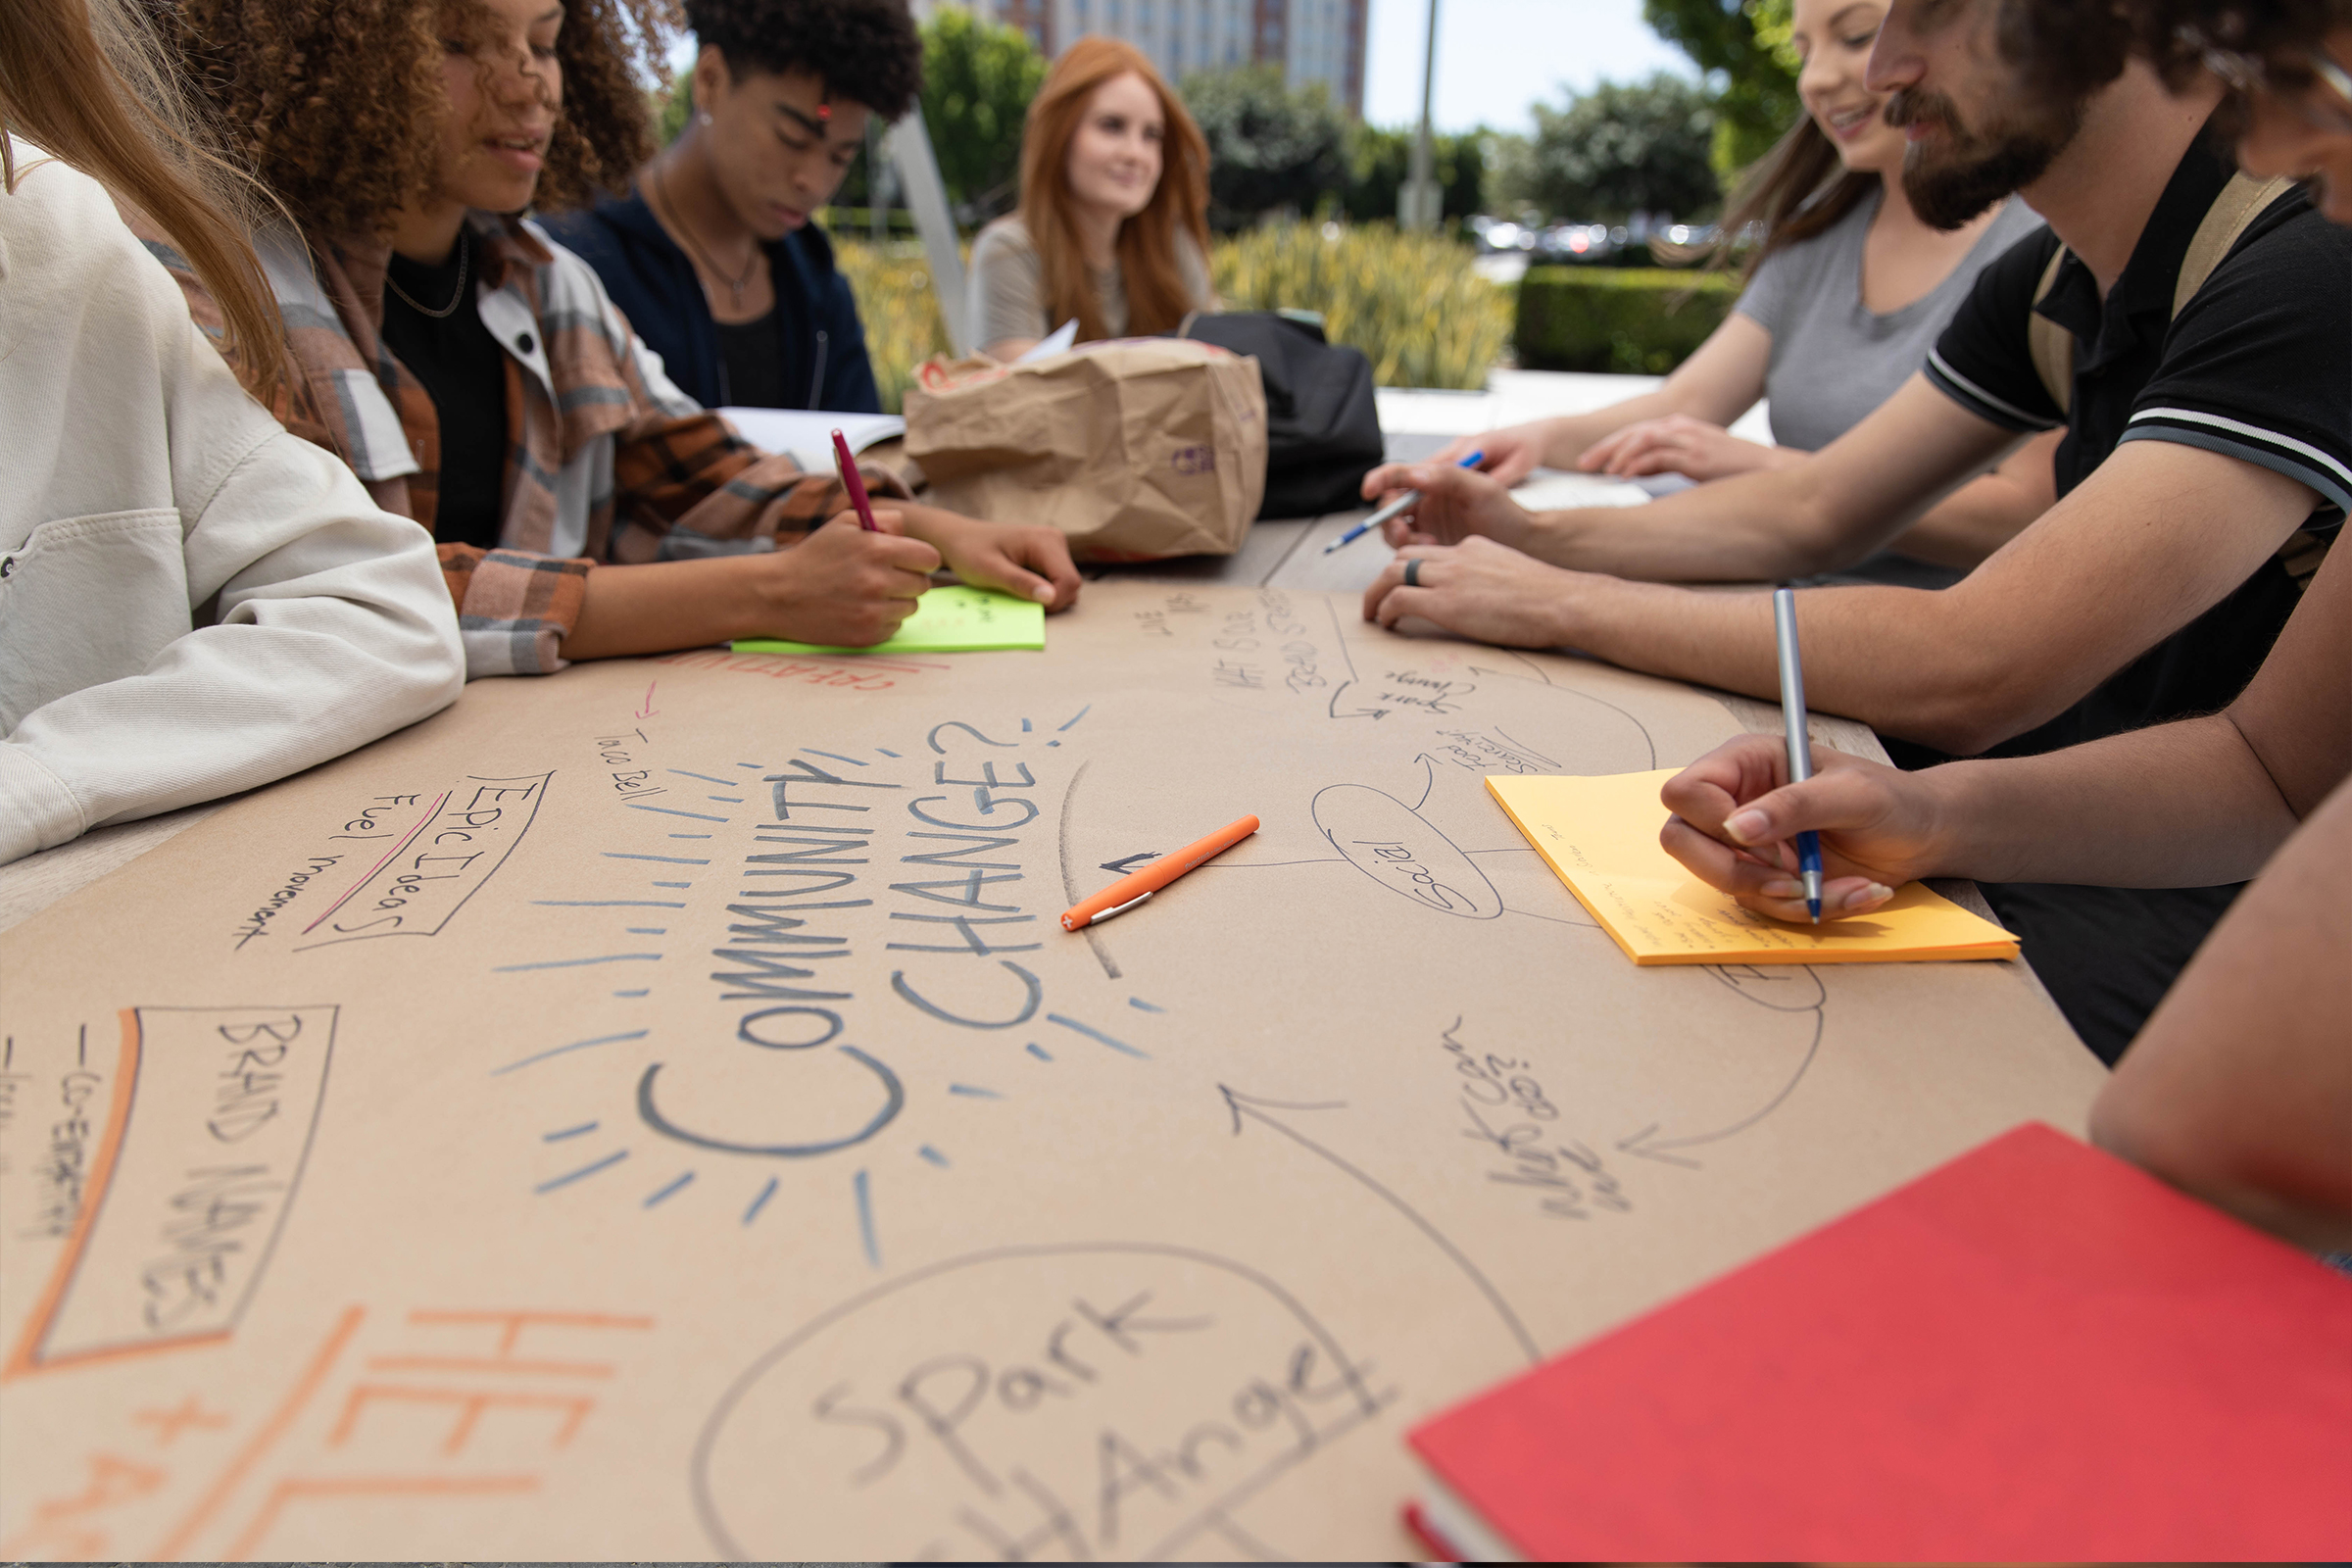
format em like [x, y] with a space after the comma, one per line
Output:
[1497, 235]
[1647, 242]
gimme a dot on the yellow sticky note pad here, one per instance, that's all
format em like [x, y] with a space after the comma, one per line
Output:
[1601, 836]
[946, 620]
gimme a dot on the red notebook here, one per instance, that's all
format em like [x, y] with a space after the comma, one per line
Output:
[2035, 1351]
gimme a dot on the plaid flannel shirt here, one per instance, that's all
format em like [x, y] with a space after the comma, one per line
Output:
[606, 461]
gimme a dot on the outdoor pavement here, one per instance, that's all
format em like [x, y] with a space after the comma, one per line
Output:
[1513, 396]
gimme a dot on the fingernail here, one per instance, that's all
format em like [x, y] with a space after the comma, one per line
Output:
[1748, 826]
[1784, 887]
[1869, 898]
[1043, 593]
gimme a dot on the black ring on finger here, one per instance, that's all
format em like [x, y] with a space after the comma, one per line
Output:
[1412, 572]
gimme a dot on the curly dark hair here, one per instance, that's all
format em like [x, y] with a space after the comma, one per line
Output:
[2176, 34]
[2066, 49]
[866, 51]
[337, 105]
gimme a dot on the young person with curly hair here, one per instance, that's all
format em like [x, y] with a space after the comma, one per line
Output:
[192, 602]
[712, 256]
[1112, 231]
[2239, 1088]
[477, 377]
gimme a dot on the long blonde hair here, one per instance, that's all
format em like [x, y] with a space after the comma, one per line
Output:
[1156, 298]
[87, 82]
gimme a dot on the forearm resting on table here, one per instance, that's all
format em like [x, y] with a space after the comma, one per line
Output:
[1755, 526]
[1828, 510]
[2239, 1089]
[1972, 523]
[1910, 663]
[2128, 557]
[2183, 804]
[664, 605]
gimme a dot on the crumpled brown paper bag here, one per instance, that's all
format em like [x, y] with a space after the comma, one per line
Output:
[1136, 448]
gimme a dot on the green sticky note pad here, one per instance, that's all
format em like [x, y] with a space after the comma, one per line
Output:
[946, 621]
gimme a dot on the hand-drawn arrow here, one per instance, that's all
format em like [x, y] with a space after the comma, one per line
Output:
[1647, 1145]
[1241, 1105]
[1345, 687]
[1123, 866]
[647, 712]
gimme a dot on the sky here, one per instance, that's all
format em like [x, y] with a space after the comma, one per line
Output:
[1496, 57]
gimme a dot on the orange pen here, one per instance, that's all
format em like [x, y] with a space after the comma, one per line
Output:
[1129, 891]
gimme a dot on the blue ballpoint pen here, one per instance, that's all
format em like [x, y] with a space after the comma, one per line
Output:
[1800, 749]
[1404, 502]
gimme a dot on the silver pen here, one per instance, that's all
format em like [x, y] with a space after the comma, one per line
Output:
[1800, 745]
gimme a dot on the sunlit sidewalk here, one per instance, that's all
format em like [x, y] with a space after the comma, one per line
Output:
[1513, 396]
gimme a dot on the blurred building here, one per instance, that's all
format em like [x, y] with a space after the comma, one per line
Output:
[1312, 40]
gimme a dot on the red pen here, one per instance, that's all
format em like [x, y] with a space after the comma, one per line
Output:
[851, 481]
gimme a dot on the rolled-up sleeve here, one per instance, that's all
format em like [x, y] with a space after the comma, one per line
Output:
[514, 608]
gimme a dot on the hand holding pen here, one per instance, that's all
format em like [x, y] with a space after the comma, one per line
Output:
[1800, 739]
[853, 482]
[1396, 507]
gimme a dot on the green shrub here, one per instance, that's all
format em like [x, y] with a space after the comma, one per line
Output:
[1412, 303]
[1625, 321]
[898, 306]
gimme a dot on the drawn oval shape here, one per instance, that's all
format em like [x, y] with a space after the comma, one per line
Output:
[935, 1413]
[1400, 850]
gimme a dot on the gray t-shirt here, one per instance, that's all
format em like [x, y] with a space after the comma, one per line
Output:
[1004, 292]
[1834, 360]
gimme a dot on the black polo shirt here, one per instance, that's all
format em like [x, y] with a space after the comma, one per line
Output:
[2257, 365]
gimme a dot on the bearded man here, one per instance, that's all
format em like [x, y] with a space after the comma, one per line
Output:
[2191, 334]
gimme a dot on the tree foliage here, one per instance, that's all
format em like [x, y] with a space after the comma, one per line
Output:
[1625, 147]
[1747, 42]
[1270, 148]
[978, 77]
[1383, 158]
[1510, 178]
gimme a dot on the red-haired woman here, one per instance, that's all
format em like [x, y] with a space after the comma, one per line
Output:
[1113, 230]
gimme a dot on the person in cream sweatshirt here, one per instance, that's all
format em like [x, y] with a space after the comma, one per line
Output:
[192, 602]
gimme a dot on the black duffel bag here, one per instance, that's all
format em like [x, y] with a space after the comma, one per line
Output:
[1322, 427]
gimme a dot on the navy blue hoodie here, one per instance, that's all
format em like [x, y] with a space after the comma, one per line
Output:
[653, 282]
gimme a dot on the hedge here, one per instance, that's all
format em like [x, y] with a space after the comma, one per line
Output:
[1624, 321]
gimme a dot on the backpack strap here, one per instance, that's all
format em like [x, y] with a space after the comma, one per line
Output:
[2051, 346]
[2241, 201]
[2232, 213]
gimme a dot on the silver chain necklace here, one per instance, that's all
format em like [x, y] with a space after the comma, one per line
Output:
[464, 256]
[735, 285]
